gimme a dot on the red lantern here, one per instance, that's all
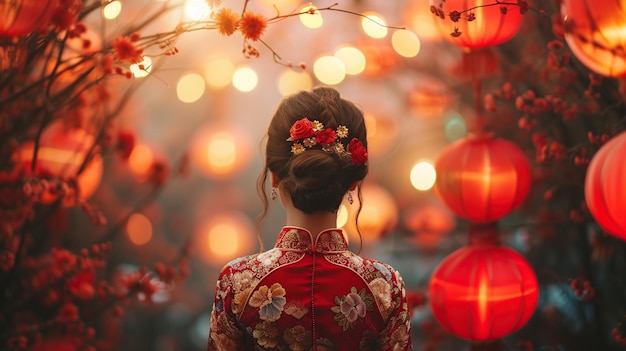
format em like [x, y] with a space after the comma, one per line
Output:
[61, 153]
[22, 17]
[594, 31]
[482, 178]
[605, 190]
[491, 25]
[483, 292]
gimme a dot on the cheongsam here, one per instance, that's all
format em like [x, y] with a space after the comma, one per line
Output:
[304, 295]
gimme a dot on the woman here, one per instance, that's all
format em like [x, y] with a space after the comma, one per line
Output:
[310, 292]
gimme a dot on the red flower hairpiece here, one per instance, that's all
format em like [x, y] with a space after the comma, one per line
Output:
[306, 134]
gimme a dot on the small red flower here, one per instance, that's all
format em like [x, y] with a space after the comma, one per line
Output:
[226, 21]
[357, 152]
[252, 25]
[303, 128]
[326, 137]
[126, 51]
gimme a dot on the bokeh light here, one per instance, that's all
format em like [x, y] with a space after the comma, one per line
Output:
[140, 160]
[405, 43]
[423, 175]
[190, 88]
[353, 59]
[455, 127]
[374, 25]
[378, 216]
[329, 70]
[139, 229]
[112, 9]
[419, 18]
[220, 152]
[141, 69]
[382, 133]
[271, 6]
[197, 10]
[225, 236]
[218, 72]
[291, 82]
[245, 79]
[311, 20]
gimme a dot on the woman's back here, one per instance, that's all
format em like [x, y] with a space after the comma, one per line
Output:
[305, 295]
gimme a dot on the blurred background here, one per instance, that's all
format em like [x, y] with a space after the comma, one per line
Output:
[200, 113]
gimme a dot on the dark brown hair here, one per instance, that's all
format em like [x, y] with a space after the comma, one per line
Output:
[317, 180]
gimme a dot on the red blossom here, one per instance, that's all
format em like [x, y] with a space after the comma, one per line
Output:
[125, 143]
[325, 137]
[67, 313]
[455, 16]
[302, 128]
[252, 25]
[64, 261]
[126, 51]
[357, 152]
[81, 285]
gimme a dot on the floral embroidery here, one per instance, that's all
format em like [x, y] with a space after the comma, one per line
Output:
[296, 309]
[224, 332]
[297, 338]
[399, 339]
[270, 257]
[270, 301]
[351, 307]
[240, 300]
[382, 294]
[266, 334]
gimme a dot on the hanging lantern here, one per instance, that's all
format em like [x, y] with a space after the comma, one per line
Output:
[62, 151]
[482, 178]
[595, 31]
[490, 24]
[22, 17]
[605, 190]
[429, 224]
[483, 291]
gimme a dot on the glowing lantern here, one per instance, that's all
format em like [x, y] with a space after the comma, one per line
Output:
[605, 190]
[22, 17]
[595, 31]
[378, 216]
[429, 224]
[483, 292]
[490, 27]
[428, 102]
[482, 178]
[225, 236]
[62, 151]
[220, 152]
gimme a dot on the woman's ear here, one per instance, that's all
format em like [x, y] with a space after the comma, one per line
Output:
[275, 179]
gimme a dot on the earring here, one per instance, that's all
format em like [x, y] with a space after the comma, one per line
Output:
[274, 193]
[350, 199]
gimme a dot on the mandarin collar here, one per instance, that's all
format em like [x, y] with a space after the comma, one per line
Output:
[300, 239]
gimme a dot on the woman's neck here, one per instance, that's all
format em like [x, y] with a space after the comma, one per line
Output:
[314, 223]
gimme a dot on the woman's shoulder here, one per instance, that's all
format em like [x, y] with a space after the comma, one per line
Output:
[240, 263]
[368, 268]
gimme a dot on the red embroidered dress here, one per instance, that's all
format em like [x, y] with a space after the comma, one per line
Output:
[303, 296]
